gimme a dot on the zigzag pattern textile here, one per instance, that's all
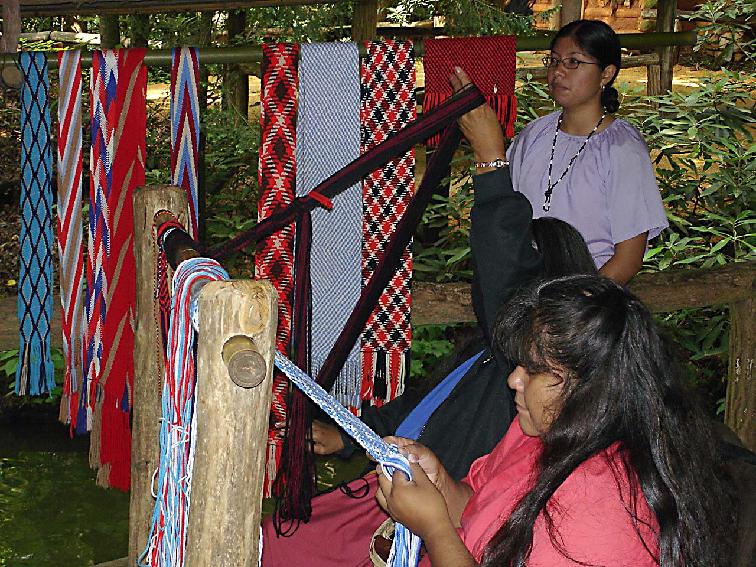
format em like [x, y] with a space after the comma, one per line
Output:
[274, 259]
[69, 224]
[170, 519]
[35, 373]
[118, 112]
[489, 61]
[387, 105]
[405, 550]
[328, 138]
[185, 128]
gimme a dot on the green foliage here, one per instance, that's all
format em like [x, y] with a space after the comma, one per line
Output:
[430, 344]
[9, 364]
[463, 17]
[728, 30]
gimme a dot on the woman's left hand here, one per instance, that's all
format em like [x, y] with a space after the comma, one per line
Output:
[416, 503]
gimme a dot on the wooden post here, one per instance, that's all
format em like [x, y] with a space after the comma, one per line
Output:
[110, 31]
[740, 409]
[365, 20]
[660, 76]
[232, 423]
[571, 10]
[148, 365]
[11, 26]
[10, 75]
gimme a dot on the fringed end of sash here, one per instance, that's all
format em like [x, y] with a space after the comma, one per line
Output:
[272, 458]
[35, 373]
[505, 107]
[115, 446]
[383, 375]
[348, 384]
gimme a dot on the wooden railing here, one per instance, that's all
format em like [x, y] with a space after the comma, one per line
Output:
[731, 285]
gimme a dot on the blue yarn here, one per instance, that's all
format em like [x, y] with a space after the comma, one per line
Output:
[405, 551]
[35, 373]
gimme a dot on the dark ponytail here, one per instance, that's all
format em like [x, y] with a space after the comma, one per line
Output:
[598, 40]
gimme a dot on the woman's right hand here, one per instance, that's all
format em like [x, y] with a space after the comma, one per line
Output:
[326, 439]
[480, 126]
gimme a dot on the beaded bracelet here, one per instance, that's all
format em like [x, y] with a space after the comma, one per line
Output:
[497, 163]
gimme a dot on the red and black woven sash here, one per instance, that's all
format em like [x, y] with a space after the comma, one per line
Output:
[387, 105]
[274, 259]
[489, 61]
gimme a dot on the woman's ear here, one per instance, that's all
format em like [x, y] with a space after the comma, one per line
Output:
[608, 74]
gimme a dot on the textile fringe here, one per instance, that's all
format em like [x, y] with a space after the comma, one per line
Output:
[384, 375]
[167, 539]
[505, 107]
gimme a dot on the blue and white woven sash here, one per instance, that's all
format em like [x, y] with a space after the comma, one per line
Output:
[35, 373]
[405, 550]
[328, 138]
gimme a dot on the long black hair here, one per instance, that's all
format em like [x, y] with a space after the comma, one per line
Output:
[562, 247]
[598, 40]
[620, 386]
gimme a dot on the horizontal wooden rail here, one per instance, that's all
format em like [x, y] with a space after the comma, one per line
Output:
[732, 285]
[242, 55]
[32, 8]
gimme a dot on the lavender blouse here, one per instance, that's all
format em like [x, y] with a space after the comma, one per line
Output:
[610, 192]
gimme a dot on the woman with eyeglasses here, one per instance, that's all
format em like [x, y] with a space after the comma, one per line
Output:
[580, 163]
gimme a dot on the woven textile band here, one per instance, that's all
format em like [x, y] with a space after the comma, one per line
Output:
[328, 138]
[406, 547]
[170, 519]
[274, 259]
[118, 155]
[185, 128]
[35, 373]
[428, 124]
[70, 249]
[489, 61]
[387, 105]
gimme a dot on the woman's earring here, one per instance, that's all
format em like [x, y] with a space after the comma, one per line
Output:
[602, 88]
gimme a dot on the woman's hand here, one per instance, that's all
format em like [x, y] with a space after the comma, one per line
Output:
[326, 439]
[416, 503]
[420, 454]
[480, 126]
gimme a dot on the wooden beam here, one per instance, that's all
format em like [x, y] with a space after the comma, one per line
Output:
[364, 20]
[44, 8]
[660, 76]
[11, 26]
[740, 405]
[232, 423]
[148, 363]
[571, 10]
[661, 291]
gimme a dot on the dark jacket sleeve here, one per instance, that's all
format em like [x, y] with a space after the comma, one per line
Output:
[383, 420]
[503, 254]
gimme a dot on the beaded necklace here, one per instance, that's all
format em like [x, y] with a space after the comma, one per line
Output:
[550, 190]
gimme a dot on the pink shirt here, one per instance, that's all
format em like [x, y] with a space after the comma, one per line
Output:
[590, 509]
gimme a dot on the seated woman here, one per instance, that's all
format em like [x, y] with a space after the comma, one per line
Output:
[609, 462]
[470, 417]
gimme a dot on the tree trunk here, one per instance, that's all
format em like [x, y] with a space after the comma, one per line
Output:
[571, 10]
[236, 85]
[110, 31]
[365, 20]
[139, 30]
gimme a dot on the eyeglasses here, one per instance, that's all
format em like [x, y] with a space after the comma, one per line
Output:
[568, 62]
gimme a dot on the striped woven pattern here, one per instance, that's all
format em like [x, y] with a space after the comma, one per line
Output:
[387, 105]
[35, 373]
[119, 167]
[69, 225]
[103, 80]
[274, 259]
[489, 61]
[170, 519]
[328, 138]
[185, 128]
